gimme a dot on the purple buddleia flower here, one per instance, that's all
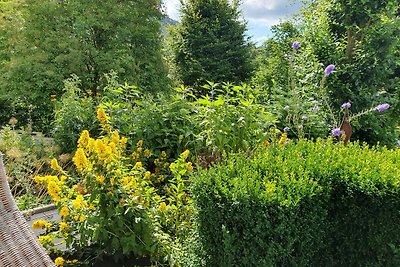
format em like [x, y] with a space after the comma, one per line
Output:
[382, 107]
[315, 109]
[286, 129]
[336, 132]
[346, 105]
[329, 69]
[296, 45]
[304, 117]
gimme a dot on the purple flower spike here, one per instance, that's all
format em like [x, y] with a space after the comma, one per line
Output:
[286, 129]
[336, 132]
[296, 45]
[382, 107]
[346, 105]
[315, 109]
[329, 69]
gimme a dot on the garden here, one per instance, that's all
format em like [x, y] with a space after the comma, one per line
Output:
[189, 145]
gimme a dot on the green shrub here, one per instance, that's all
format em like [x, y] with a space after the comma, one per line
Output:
[301, 204]
[73, 114]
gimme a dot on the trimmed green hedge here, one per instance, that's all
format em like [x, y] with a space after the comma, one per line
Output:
[302, 204]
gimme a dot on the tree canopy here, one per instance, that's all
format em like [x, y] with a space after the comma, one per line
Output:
[211, 44]
[86, 38]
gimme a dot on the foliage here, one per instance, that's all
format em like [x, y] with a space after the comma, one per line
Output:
[73, 114]
[232, 119]
[361, 39]
[301, 204]
[210, 44]
[114, 206]
[60, 38]
[26, 156]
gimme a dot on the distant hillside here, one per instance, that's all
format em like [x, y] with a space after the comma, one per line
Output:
[166, 21]
[169, 21]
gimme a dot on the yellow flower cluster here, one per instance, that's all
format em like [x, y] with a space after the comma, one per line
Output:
[46, 240]
[284, 139]
[64, 212]
[102, 116]
[53, 185]
[185, 154]
[78, 202]
[162, 207]
[41, 224]
[63, 226]
[59, 261]
[80, 160]
[55, 166]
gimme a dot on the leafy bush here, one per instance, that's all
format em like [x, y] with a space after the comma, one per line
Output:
[112, 205]
[301, 204]
[231, 118]
[74, 113]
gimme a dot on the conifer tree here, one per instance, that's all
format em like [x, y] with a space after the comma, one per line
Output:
[211, 44]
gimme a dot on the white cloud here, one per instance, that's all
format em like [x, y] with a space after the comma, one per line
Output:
[259, 13]
[172, 8]
[269, 12]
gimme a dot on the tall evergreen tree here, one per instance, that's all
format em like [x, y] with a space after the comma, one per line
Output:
[211, 43]
[87, 38]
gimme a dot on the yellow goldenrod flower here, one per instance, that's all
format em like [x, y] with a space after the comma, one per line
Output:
[82, 218]
[163, 155]
[283, 140]
[135, 155]
[162, 207]
[115, 137]
[172, 166]
[123, 140]
[189, 166]
[139, 143]
[185, 154]
[45, 240]
[41, 224]
[147, 153]
[63, 226]
[147, 175]
[78, 202]
[100, 179]
[59, 261]
[83, 140]
[40, 179]
[54, 165]
[102, 116]
[53, 190]
[64, 212]
[160, 178]
[138, 165]
[80, 159]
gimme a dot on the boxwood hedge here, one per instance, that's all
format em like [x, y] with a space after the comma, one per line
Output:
[302, 204]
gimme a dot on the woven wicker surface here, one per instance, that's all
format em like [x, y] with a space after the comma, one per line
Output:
[18, 245]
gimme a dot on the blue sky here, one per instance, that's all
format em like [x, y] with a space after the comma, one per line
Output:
[260, 14]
